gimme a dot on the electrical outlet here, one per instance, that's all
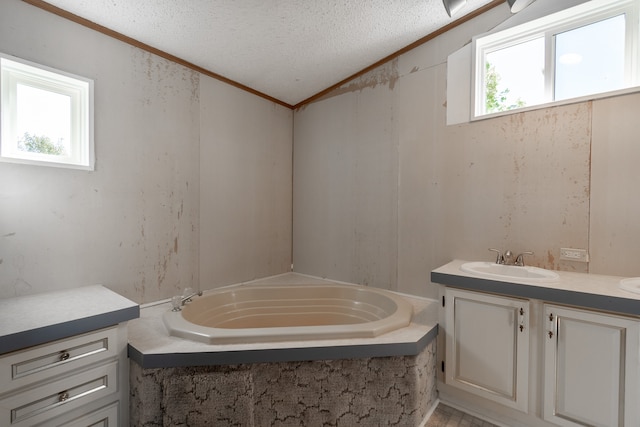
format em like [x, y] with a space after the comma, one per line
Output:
[569, 254]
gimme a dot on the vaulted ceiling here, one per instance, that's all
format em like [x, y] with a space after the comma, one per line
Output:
[288, 50]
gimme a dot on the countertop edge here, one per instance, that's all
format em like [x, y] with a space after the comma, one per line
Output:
[284, 354]
[574, 298]
[41, 335]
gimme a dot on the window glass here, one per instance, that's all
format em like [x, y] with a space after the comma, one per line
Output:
[43, 121]
[514, 76]
[46, 116]
[589, 50]
[590, 59]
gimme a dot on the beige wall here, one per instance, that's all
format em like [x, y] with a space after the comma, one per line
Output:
[193, 180]
[384, 191]
[134, 224]
[614, 238]
[345, 187]
[245, 186]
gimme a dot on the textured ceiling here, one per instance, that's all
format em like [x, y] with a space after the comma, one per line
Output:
[287, 49]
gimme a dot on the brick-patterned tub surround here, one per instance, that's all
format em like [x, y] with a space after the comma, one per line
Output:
[397, 390]
[386, 380]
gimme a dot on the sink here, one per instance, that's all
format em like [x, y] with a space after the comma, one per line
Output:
[492, 270]
[632, 284]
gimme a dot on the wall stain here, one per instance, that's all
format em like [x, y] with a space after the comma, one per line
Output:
[195, 86]
[164, 79]
[551, 259]
[516, 167]
[163, 267]
[386, 74]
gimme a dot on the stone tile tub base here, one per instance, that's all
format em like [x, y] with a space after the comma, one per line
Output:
[397, 390]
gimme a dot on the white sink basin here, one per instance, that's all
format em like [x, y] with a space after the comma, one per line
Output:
[632, 284]
[492, 270]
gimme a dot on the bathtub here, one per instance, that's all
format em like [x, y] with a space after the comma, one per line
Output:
[289, 312]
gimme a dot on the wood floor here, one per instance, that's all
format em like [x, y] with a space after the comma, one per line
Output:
[446, 416]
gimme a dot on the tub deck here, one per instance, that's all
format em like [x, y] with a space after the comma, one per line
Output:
[150, 345]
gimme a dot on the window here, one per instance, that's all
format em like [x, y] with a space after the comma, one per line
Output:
[46, 116]
[591, 49]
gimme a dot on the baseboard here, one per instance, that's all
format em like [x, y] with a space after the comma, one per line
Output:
[429, 413]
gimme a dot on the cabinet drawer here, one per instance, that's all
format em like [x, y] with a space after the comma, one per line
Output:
[103, 417]
[39, 363]
[54, 398]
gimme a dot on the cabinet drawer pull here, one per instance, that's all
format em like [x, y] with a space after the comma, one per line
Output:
[521, 328]
[21, 368]
[550, 334]
[550, 317]
[63, 396]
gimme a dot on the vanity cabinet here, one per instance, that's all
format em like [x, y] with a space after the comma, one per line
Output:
[582, 363]
[590, 368]
[487, 346]
[76, 381]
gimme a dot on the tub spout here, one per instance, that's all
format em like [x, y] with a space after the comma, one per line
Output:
[178, 301]
[188, 297]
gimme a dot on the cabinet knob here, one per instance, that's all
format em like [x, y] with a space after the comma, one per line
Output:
[550, 317]
[550, 334]
[64, 356]
[63, 396]
[521, 328]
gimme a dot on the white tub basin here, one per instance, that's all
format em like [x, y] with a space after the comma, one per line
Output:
[492, 270]
[294, 312]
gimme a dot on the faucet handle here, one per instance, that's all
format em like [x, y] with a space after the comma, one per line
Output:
[508, 257]
[520, 258]
[499, 258]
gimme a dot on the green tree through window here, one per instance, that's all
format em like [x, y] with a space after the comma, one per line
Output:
[497, 101]
[40, 144]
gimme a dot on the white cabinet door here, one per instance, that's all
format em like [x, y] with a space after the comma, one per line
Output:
[590, 377]
[487, 346]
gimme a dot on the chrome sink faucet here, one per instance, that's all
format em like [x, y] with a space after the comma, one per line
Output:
[520, 258]
[507, 258]
[500, 257]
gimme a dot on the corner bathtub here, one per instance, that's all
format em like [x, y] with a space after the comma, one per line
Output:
[267, 313]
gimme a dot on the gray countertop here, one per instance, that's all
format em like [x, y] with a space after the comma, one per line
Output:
[577, 289]
[36, 319]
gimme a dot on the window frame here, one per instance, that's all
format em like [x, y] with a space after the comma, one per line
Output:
[575, 17]
[17, 71]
